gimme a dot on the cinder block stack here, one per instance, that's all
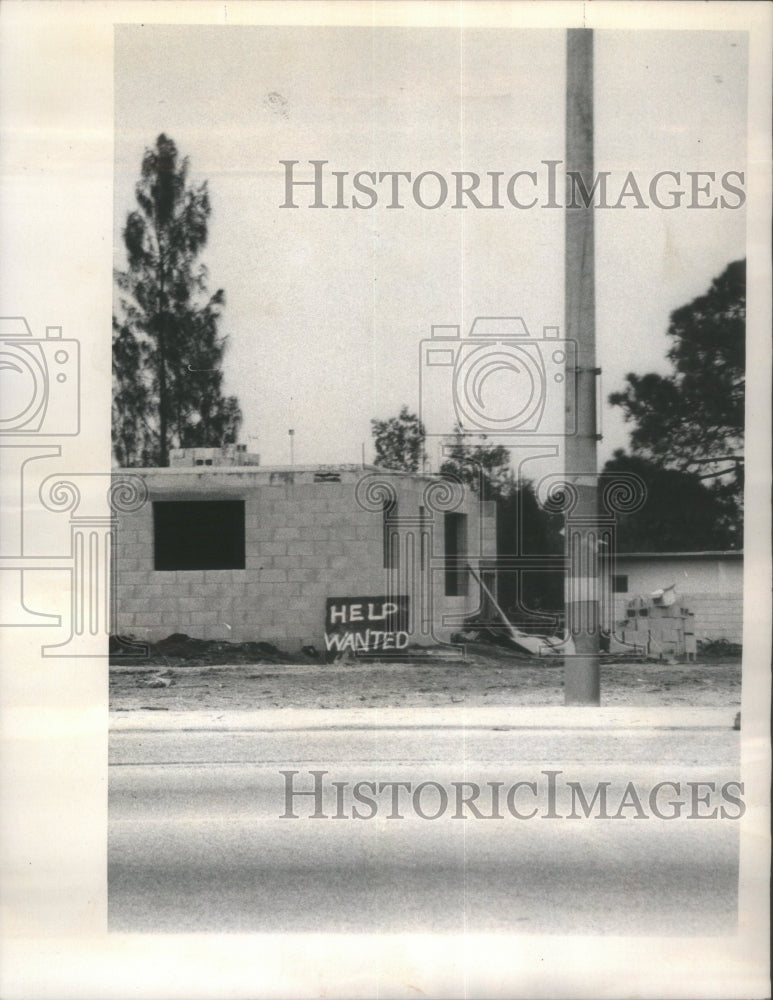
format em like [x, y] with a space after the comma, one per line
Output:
[660, 624]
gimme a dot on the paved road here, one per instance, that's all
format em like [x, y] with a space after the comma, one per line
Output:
[197, 843]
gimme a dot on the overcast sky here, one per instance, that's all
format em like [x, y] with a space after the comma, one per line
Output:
[326, 309]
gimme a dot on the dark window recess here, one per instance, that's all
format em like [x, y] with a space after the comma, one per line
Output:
[455, 554]
[619, 584]
[391, 536]
[198, 534]
[327, 477]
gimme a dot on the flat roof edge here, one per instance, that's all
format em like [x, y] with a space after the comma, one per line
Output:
[208, 470]
[711, 554]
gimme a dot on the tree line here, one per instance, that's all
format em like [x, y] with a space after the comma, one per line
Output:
[686, 440]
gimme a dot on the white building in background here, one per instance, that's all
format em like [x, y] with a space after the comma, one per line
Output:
[710, 584]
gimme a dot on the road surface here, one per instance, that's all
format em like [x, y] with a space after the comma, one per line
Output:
[201, 837]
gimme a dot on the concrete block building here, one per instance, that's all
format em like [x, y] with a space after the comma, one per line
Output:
[299, 556]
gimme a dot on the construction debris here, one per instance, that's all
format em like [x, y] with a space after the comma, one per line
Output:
[524, 642]
[657, 625]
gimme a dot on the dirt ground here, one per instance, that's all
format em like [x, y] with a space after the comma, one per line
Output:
[489, 677]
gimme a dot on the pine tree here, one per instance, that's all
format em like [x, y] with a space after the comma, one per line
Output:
[692, 420]
[167, 379]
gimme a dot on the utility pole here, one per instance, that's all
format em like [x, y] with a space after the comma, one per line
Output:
[581, 671]
[291, 432]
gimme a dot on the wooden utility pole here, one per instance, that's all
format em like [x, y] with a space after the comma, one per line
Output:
[581, 673]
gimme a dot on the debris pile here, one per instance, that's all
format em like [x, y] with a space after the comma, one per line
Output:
[188, 651]
[525, 642]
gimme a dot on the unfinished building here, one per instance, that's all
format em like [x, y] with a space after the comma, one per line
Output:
[342, 556]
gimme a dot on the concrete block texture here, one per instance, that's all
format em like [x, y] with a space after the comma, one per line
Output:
[285, 533]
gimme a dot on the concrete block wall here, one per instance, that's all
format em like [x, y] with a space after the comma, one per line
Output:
[718, 618]
[305, 541]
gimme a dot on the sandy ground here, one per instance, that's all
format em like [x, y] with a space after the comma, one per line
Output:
[491, 678]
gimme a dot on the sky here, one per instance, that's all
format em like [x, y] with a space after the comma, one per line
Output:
[327, 309]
